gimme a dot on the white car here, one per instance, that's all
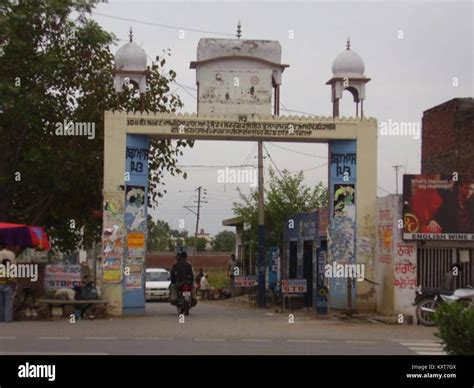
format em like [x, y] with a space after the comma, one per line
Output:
[157, 284]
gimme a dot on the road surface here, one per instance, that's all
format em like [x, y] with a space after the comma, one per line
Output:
[216, 328]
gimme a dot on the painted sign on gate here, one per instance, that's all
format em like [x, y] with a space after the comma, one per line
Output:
[293, 286]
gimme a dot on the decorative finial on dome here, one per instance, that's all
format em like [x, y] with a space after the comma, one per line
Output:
[348, 45]
[131, 34]
[239, 30]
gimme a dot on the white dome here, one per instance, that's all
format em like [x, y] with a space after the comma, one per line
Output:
[130, 57]
[348, 64]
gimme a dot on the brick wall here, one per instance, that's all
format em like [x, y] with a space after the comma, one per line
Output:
[448, 138]
[207, 261]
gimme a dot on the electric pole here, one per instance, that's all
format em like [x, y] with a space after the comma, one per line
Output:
[198, 214]
[197, 220]
[396, 177]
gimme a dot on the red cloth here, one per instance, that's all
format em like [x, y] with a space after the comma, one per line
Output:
[24, 236]
[40, 238]
[425, 203]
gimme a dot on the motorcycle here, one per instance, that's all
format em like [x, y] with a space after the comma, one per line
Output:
[185, 299]
[427, 301]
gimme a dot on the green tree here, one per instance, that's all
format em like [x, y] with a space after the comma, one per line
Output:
[158, 235]
[177, 233]
[200, 246]
[180, 236]
[224, 242]
[56, 66]
[284, 196]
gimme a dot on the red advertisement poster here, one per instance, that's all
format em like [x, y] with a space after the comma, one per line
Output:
[438, 207]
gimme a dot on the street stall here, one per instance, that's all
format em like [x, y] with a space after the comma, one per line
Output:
[20, 236]
[25, 277]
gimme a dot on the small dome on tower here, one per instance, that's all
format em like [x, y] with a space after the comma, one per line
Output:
[348, 63]
[130, 57]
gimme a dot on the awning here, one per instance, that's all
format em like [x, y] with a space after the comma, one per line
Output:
[24, 236]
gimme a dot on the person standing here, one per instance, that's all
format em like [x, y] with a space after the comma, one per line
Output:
[7, 292]
[232, 263]
[449, 278]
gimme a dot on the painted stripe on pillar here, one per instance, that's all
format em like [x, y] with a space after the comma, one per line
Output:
[136, 204]
[342, 216]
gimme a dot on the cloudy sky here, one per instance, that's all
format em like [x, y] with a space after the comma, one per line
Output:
[418, 55]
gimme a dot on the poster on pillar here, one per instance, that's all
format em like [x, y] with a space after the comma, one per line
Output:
[342, 224]
[136, 204]
[112, 237]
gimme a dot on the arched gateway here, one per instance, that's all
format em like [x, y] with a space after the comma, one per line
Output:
[235, 81]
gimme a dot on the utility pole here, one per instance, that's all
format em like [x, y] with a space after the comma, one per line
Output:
[197, 220]
[198, 215]
[261, 231]
[396, 177]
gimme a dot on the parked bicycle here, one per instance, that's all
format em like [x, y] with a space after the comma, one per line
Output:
[273, 297]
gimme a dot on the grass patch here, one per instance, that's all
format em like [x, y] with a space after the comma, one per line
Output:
[218, 278]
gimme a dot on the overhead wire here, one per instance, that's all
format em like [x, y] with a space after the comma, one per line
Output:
[162, 25]
[297, 152]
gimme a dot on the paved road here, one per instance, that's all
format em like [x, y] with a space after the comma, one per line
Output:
[216, 328]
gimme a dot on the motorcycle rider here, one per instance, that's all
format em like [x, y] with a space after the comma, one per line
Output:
[181, 272]
[449, 278]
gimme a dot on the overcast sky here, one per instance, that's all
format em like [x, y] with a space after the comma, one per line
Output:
[409, 76]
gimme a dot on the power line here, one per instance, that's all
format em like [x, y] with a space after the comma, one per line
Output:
[185, 88]
[180, 86]
[296, 111]
[298, 152]
[381, 188]
[251, 152]
[163, 25]
[215, 166]
[312, 168]
[271, 160]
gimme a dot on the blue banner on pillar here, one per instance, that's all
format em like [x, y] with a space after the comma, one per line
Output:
[273, 270]
[136, 205]
[320, 289]
[342, 216]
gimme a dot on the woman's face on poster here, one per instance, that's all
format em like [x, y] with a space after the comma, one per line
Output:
[467, 190]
